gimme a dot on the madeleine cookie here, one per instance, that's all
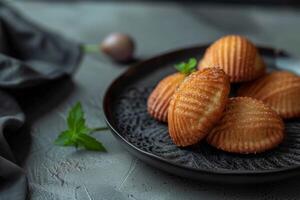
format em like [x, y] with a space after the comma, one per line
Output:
[247, 126]
[237, 56]
[280, 90]
[197, 105]
[159, 99]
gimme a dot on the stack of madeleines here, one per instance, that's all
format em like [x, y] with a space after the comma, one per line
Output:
[196, 103]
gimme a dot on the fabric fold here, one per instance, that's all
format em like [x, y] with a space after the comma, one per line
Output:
[30, 55]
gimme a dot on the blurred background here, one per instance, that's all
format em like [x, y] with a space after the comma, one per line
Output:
[156, 27]
[282, 2]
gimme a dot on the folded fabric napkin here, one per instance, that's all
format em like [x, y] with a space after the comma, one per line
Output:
[29, 56]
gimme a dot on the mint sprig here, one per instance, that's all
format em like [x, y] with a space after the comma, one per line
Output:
[77, 133]
[187, 67]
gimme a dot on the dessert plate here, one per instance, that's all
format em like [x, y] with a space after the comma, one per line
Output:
[125, 108]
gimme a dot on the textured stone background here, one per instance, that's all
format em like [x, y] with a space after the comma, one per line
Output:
[64, 173]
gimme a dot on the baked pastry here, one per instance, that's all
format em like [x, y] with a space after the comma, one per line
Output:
[197, 105]
[280, 90]
[159, 99]
[247, 126]
[237, 56]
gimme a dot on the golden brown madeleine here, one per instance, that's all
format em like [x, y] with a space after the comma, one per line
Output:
[280, 90]
[237, 56]
[197, 105]
[247, 126]
[159, 99]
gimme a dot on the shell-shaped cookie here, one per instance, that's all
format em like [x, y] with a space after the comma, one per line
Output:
[247, 126]
[197, 105]
[237, 56]
[280, 90]
[159, 99]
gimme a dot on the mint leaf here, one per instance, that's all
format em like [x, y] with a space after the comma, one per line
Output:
[187, 67]
[76, 121]
[192, 64]
[89, 143]
[77, 132]
[64, 139]
[180, 66]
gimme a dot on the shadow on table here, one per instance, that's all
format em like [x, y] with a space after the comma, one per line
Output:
[282, 189]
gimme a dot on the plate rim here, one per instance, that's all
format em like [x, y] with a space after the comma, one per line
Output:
[213, 171]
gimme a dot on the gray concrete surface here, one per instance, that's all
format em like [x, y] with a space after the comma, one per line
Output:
[68, 174]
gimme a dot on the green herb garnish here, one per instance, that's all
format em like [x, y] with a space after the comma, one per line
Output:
[77, 133]
[90, 48]
[187, 67]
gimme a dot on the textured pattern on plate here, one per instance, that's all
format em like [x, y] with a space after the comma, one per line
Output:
[136, 126]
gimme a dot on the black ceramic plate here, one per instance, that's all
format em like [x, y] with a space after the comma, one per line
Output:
[126, 115]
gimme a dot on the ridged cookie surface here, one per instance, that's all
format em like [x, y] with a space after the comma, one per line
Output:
[197, 105]
[247, 126]
[280, 90]
[237, 56]
[159, 99]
